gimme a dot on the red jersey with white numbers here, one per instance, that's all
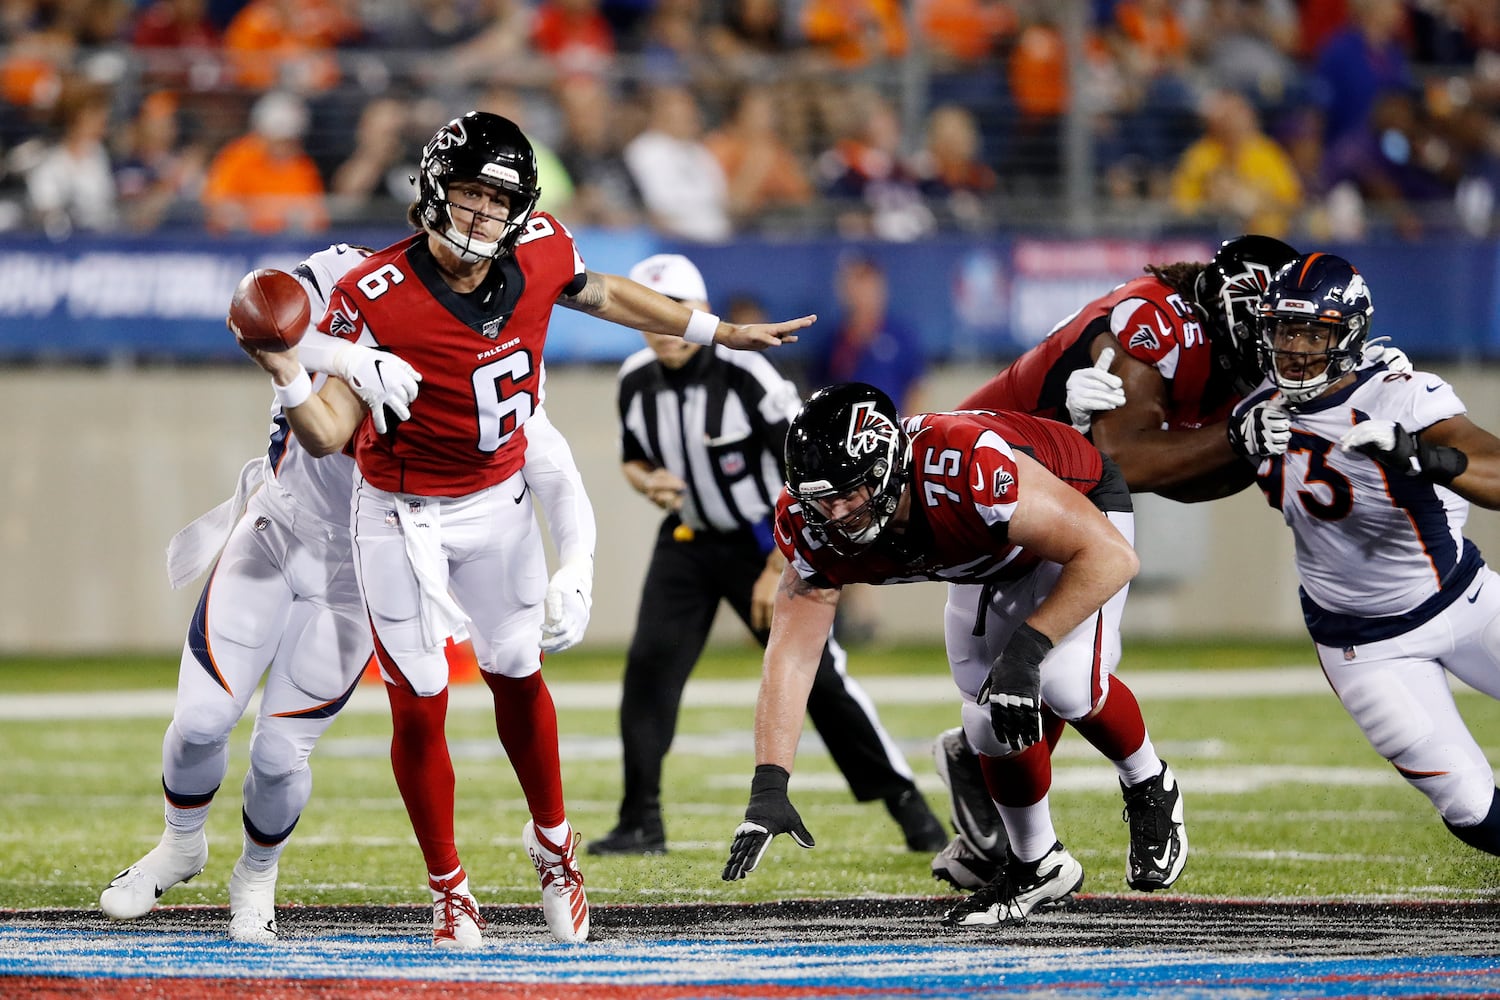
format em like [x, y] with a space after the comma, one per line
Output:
[480, 355]
[964, 487]
[1153, 323]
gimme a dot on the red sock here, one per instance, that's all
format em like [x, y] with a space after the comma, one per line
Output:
[424, 773]
[526, 720]
[1021, 780]
[1117, 728]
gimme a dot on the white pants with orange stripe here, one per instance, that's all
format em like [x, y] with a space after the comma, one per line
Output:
[483, 550]
[283, 605]
[1397, 691]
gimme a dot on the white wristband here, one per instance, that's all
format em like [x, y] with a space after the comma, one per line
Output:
[701, 327]
[294, 393]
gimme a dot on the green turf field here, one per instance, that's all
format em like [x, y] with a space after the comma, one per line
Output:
[1284, 798]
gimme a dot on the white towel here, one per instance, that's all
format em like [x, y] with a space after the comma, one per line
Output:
[193, 549]
[422, 530]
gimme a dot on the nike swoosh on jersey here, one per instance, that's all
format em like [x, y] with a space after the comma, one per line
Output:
[1433, 388]
[522, 495]
[1471, 600]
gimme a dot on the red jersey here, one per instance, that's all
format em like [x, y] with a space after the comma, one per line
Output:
[480, 355]
[964, 488]
[1154, 324]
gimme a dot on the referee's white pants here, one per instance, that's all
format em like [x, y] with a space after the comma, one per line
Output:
[485, 549]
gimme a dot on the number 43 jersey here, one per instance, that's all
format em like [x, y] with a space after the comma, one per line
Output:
[1377, 553]
[479, 353]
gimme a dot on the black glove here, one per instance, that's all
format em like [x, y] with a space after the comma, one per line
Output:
[770, 812]
[1013, 690]
[1262, 431]
[1405, 453]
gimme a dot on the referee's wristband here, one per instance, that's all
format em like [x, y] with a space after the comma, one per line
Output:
[701, 327]
[295, 392]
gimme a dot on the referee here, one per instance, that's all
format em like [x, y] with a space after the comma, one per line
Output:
[701, 436]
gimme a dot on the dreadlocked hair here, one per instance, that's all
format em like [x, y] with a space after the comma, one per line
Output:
[1182, 276]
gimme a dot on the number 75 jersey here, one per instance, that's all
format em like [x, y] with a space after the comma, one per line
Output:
[1377, 553]
[480, 355]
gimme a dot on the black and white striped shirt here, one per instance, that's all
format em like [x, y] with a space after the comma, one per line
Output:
[719, 423]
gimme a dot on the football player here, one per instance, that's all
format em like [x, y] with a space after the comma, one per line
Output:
[438, 504]
[1031, 523]
[1375, 483]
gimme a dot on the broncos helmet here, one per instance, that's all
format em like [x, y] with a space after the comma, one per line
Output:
[1314, 317]
[1228, 291]
[477, 147]
[847, 445]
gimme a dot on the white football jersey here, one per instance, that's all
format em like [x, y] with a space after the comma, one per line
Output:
[322, 486]
[1377, 553]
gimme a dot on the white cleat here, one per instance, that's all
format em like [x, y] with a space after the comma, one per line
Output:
[456, 922]
[252, 905]
[133, 893]
[564, 903]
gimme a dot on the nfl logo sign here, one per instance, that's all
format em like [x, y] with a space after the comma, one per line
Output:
[1349, 653]
[732, 464]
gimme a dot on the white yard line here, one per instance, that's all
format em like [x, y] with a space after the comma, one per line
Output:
[1165, 685]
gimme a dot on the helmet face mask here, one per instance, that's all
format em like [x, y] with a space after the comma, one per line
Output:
[1314, 319]
[846, 460]
[484, 150]
[1228, 292]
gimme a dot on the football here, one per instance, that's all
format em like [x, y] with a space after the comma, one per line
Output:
[269, 311]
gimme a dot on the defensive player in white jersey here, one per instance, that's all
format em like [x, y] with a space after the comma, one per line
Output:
[1376, 483]
[282, 604]
[442, 540]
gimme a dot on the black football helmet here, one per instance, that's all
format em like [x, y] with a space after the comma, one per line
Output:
[1228, 293]
[1325, 299]
[847, 444]
[477, 147]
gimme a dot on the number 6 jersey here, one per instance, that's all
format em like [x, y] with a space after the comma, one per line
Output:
[480, 355]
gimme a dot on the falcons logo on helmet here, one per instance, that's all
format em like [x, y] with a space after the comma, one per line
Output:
[869, 430]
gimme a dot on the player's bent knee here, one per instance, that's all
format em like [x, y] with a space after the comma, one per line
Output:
[207, 725]
[274, 754]
[1462, 797]
[981, 734]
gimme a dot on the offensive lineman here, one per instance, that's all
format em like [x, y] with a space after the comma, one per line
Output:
[1021, 510]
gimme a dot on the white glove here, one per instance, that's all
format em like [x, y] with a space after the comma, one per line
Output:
[1375, 435]
[1379, 352]
[569, 599]
[1092, 390]
[1265, 430]
[380, 379]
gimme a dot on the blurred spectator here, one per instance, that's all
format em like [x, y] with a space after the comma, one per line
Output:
[761, 171]
[1157, 104]
[854, 33]
[1038, 78]
[751, 39]
[867, 344]
[680, 181]
[157, 172]
[1250, 46]
[1396, 163]
[39, 50]
[1236, 175]
[873, 189]
[964, 33]
[745, 307]
[69, 182]
[264, 181]
[953, 175]
[173, 24]
[1358, 62]
[288, 44]
[374, 180]
[424, 25]
[604, 193]
[672, 50]
[573, 35]
[1317, 22]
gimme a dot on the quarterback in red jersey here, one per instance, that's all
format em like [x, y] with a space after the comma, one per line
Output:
[1021, 514]
[446, 542]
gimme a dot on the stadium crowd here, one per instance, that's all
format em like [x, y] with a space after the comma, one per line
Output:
[1321, 119]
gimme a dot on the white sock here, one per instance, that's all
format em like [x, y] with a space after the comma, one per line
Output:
[557, 834]
[1029, 829]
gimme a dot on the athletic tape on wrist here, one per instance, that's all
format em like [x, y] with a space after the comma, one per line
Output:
[701, 327]
[296, 392]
